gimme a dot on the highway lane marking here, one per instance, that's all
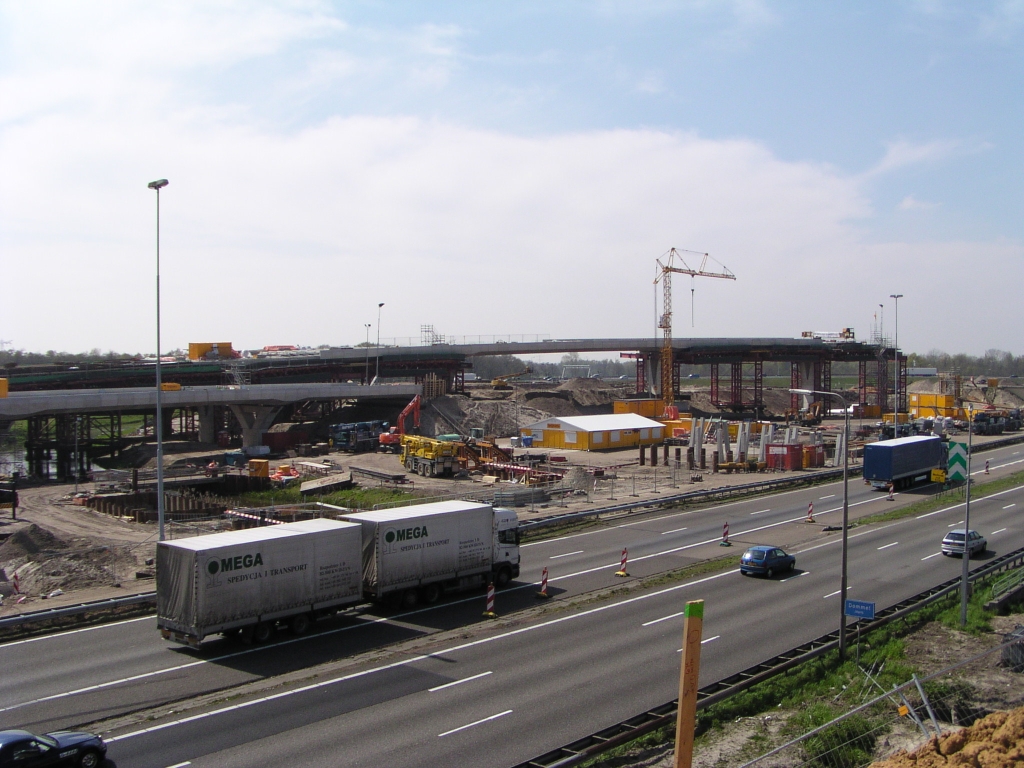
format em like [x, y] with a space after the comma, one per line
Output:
[887, 546]
[830, 496]
[998, 466]
[413, 659]
[795, 576]
[478, 722]
[665, 517]
[74, 632]
[995, 532]
[702, 642]
[677, 530]
[929, 557]
[760, 511]
[957, 506]
[567, 554]
[663, 618]
[180, 765]
[1009, 505]
[459, 682]
[959, 522]
[833, 594]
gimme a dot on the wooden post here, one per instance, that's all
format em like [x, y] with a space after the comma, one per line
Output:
[689, 673]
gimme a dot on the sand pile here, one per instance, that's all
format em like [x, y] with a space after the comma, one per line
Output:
[996, 741]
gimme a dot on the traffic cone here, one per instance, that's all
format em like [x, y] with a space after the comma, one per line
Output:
[622, 565]
[890, 497]
[725, 536]
[543, 594]
[986, 466]
[17, 587]
[489, 613]
[810, 512]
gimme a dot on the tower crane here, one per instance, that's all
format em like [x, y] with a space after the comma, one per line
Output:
[670, 262]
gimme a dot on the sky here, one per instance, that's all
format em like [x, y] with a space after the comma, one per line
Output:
[509, 169]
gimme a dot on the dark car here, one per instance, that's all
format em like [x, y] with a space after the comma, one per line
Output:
[27, 750]
[953, 543]
[766, 560]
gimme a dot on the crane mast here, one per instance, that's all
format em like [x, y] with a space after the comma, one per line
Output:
[667, 265]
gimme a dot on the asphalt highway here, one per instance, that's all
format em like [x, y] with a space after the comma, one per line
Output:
[505, 694]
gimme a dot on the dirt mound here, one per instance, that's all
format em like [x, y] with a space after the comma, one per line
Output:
[993, 742]
[30, 541]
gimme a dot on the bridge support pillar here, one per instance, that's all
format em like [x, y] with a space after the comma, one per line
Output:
[207, 423]
[254, 420]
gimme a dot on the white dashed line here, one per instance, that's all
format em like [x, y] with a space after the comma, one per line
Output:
[995, 532]
[886, 546]
[929, 557]
[760, 511]
[677, 530]
[459, 682]
[567, 554]
[478, 722]
[1009, 505]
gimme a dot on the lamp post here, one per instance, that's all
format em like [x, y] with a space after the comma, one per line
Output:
[366, 374]
[846, 510]
[896, 345]
[78, 427]
[964, 586]
[376, 373]
[158, 185]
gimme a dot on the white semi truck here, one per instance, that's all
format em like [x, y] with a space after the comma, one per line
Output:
[416, 553]
[248, 582]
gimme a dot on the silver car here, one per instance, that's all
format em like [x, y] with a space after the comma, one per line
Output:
[953, 543]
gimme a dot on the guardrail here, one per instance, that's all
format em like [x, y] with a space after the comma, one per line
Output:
[590, 746]
[1008, 583]
[34, 617]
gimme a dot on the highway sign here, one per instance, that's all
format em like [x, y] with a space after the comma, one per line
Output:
[938, 475]
[957, 461]
[860, 609]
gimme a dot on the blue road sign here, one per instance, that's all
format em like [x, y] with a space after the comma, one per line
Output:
[860, 609]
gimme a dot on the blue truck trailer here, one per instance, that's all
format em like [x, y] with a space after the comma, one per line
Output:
[903, 461]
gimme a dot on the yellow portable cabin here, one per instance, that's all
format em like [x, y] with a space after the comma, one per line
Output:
[595, 433]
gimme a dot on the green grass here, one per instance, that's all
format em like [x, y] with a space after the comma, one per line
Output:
[358, 498]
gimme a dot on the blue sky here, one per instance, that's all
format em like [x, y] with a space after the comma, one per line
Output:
[509, 168]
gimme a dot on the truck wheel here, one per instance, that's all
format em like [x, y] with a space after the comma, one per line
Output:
[261, 632]
[431, 593]
[299, 624]
[503, 577]
[409, 599]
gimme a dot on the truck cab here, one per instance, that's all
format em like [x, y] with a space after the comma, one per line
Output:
[506, 545]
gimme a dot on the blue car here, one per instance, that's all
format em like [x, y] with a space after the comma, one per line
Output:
[24, 749]
[766, 561]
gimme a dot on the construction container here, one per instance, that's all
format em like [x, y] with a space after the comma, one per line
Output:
[648, 406]
[170, 386]
[3, 387]
[259, 468]
[814, 456]
[785, 457]
[871, 411]
[211, 351]
[279, 442]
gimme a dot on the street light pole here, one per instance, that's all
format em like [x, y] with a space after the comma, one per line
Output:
[896, 344]
[366, 374]
[846, 511]
[158, 185]
[376, 374]
[964, 586]
[78, 428]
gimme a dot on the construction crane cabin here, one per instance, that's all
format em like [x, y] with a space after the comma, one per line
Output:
[668, 263]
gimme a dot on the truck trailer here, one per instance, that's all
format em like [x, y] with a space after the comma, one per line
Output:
[416, 553]
[249, 581]
[903, 461]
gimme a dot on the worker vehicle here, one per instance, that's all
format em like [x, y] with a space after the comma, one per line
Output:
[903, 461]
[357, 437]
[428, 456]
[766, 561]
[502, 382]
[415, 554]
[957, 541]
[78, 748]
[392, 439]
[246, 582]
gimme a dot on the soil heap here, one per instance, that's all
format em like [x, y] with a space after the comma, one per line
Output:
[995, 741]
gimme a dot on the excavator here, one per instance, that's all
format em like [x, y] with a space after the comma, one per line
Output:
[502, 382]
[392, 439]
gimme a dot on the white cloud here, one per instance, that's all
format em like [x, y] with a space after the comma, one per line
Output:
[911, 203]
[900, 154]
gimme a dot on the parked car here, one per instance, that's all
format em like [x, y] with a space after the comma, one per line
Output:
[953, 543]
[766, 560]
[77, 748]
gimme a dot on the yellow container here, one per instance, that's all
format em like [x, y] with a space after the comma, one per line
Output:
[170, 386]
[259, 468]
[3, 387]
[649, 407]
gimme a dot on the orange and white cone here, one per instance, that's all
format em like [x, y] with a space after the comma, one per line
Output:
[543, 594]
[489, 613]
[986, 466]
[622, 565]
[890, 497]
[725, 536]
[17, 585]
[810, 512]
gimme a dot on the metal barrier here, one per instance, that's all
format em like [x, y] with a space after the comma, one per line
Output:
[72, 610]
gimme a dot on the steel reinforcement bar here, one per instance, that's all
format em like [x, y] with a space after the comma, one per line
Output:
[621, 733]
